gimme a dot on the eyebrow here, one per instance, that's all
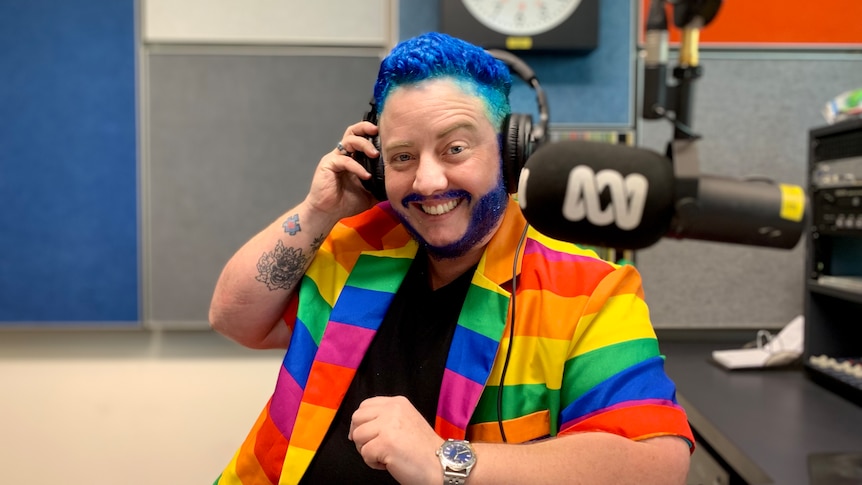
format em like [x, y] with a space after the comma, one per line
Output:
[457, 126]
[469, 126]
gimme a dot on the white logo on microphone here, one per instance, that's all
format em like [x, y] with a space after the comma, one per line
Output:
[628, 197]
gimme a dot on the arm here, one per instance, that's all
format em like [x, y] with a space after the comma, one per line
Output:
[592, 457]
[390, 434]
[259, 280]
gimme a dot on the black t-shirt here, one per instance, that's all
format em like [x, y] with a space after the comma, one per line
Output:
[407, 357]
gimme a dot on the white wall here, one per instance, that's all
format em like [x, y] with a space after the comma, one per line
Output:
[126, 407]
[273, 22]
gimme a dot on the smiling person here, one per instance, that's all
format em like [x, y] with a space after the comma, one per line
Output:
[434, 337]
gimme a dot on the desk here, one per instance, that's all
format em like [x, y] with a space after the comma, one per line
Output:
[762, 423]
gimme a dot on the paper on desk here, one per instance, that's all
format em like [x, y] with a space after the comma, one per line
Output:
[780, 350]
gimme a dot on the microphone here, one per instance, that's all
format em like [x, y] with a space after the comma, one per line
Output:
[621, 197]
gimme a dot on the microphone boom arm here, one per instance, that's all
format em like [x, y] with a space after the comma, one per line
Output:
[661, 98]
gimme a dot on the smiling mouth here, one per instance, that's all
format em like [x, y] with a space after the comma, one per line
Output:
[441, 208]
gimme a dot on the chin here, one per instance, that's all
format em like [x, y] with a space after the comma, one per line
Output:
[439, 239]
[483, 221]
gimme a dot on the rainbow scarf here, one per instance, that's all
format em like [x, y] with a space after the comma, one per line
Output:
[572, 368]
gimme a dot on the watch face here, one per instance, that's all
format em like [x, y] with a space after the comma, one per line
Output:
[521, 18]
[457, 454]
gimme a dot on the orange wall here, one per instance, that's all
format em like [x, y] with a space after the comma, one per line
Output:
[778, 23]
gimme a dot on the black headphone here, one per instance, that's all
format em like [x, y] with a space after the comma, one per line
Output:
[520, 136]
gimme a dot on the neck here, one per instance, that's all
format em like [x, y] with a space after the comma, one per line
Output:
[441, 272]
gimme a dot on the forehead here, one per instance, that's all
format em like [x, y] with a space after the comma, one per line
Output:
[440, 93]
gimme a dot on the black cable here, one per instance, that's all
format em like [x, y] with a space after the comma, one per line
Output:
[678, 125]
[511, 335]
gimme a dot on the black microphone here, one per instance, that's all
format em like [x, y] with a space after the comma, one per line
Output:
[621, 197]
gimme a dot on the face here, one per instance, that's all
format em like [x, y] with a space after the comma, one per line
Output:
[442, 166]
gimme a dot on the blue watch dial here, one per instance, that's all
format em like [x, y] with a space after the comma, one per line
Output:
[457, 453]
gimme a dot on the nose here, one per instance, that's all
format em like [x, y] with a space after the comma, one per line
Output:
[430, 176]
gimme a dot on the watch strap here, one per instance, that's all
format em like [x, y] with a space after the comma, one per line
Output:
[454, 477]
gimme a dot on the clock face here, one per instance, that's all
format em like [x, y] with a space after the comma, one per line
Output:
[521, 18]
[519, 25]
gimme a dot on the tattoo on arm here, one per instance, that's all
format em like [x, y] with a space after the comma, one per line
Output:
[283, 267]
[318, 241]
[291, 225]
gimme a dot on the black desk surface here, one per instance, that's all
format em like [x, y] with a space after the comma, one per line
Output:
[761, 421]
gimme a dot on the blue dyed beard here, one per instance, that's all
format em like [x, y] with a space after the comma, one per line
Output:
[485, 216]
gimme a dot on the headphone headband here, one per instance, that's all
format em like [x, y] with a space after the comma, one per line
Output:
[526, 73]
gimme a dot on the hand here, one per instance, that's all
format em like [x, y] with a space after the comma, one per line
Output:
[392, 435]
[335, 188]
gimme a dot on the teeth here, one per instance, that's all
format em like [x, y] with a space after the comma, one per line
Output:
[440, 209]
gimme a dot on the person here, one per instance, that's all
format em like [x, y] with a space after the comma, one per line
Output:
[405, 327]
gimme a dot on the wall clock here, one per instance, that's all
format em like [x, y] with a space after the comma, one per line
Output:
[526, 25]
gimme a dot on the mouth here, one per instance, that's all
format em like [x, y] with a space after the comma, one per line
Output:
[440, 208]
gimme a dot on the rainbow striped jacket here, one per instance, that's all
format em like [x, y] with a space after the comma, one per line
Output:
[584, 356]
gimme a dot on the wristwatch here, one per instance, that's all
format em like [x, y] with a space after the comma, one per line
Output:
[457, 458]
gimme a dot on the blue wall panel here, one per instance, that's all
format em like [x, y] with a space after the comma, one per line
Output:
[68, 170]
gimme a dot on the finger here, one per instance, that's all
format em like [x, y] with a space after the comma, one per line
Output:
[339, 147]
[368, 450]
[362, 128]
[360, 416]
[357, 143]
[357, 138]
[350, 146]
[361, 436]
[339, 165]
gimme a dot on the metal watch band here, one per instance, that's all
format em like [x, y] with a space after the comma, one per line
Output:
[453, 477]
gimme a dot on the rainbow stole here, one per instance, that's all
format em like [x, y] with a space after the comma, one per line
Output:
[330, 338]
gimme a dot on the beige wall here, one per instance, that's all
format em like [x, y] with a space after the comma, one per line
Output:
[126, 407]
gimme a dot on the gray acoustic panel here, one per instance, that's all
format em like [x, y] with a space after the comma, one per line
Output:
[232, 142]
[754, 116]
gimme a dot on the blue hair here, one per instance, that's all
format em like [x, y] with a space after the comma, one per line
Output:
[435, 55]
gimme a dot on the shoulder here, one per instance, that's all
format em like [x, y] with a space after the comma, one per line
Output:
[375, 229]
[541, 249]
[580, 269]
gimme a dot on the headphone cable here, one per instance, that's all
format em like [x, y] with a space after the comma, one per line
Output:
[511, 335]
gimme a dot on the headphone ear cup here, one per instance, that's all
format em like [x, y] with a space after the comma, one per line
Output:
[377, 181]
[517, 147]
[376, 184]
[520, 136]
